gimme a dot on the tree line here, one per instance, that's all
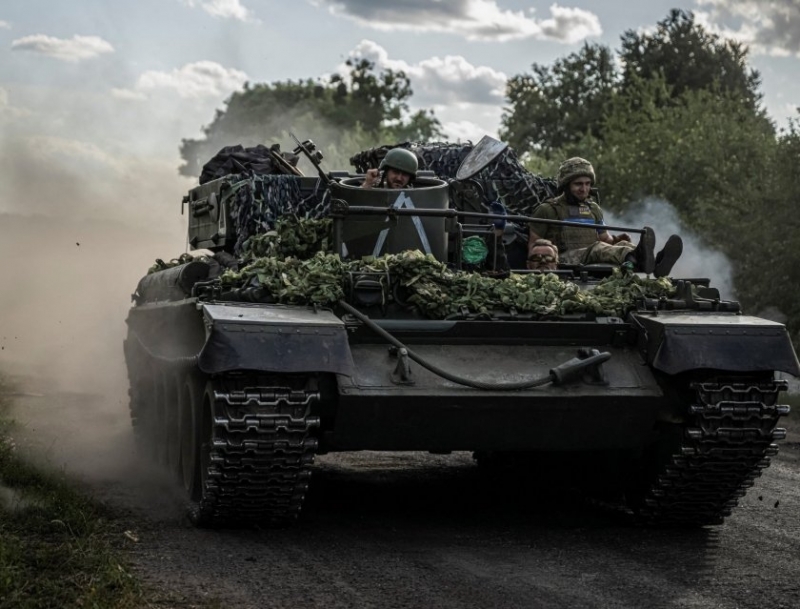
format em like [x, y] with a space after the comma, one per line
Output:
[674, 115]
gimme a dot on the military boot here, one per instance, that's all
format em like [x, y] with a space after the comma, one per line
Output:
[668, 256]
[643, 257]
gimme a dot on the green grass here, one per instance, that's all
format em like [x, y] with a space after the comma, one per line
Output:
[57, 547]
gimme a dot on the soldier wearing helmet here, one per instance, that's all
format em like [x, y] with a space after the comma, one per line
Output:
[397, 170]
[578, 245]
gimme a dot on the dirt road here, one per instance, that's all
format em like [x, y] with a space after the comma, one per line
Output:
[415, 530]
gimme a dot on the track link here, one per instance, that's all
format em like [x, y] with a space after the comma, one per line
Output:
[726, 445]
[260, 455]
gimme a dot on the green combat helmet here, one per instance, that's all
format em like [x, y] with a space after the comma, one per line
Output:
[576, 167]
[401, 160]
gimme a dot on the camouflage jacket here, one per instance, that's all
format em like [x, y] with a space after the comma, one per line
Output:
[568, 237]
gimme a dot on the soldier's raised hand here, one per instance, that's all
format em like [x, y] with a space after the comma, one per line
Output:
[371, 178]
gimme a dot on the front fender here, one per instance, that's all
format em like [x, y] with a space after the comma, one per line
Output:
[677, 342]
[273, 338]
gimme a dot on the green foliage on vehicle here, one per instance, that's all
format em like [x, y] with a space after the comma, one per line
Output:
[438, 291]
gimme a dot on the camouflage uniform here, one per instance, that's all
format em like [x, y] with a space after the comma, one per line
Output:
[578, 245]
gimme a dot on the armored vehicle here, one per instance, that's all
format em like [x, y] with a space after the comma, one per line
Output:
[312, 315]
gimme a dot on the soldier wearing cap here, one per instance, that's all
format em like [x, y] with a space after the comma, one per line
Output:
[578, 245]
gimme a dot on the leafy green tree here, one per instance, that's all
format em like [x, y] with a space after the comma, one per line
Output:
[556, 105]
[721, 167]
[371, 104]
[690, 59]
[771, 278]
[696, 151]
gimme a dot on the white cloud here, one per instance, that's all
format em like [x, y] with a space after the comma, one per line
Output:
[768, 28]
[440, 80]
[472, 19]
[570, 25]
[224, 9]
[467, 99]
[128, 94]
[461, 131]
[73, 49]
[4, 25]
[7, 111]
[201, 79]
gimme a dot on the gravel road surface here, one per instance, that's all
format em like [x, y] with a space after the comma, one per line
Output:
[417, 530]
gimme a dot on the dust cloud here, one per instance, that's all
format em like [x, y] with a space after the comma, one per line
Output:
[73, 245]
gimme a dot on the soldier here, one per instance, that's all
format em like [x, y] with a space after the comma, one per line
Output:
[543, 256]
[583, 246]
[399, 168]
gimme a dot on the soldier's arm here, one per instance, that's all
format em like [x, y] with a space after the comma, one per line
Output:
[371, 178]
[602, 234]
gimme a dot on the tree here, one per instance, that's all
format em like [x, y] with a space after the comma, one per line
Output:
[771, 278]
[722, 169]
[557, 105]
[707, 155]
[690, 59]
[372, 104]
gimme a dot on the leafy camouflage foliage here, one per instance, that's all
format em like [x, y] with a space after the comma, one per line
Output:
[161, 265]
[294, 266]
[291, 238]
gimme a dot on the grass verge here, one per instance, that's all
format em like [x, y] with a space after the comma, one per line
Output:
[57, 548]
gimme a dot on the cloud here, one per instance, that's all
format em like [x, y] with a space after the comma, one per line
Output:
[768, 28]
[7, 111]
[461, 131]
[128, 94]
[4, 25]
[194, 80]
[224, 9]
[74, 49]
[472, 19]
[466, 98]
[439, 80]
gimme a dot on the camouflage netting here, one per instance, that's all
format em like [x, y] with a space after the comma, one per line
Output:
[520, 190]
[260, 193]
[256, 202]
[300, 270]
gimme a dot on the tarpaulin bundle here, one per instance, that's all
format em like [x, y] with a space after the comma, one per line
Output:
[237, 159]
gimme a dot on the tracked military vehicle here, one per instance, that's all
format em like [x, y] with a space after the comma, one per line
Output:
[350, 323]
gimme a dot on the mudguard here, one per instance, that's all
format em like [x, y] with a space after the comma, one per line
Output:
[273, 338]
[674, 343]
[172, 284]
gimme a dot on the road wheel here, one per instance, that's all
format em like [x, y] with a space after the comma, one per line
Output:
[191, 412]
[202, 498]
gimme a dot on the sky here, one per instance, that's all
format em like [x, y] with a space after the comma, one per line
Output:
[108, 89]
